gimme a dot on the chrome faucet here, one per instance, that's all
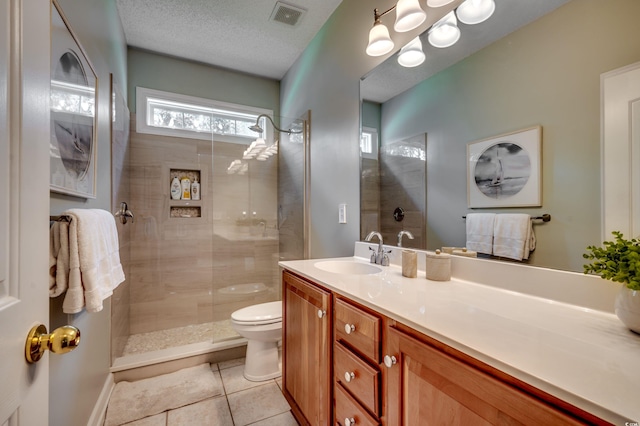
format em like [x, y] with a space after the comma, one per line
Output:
[401, 233]
[380, 256]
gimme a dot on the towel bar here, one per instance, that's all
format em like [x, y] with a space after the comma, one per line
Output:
[61, 218]
[545, 217]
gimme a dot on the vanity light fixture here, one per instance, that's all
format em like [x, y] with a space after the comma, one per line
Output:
[445, 32]
[473, 12]
[438, 3]
[411, 55]
[409, 16]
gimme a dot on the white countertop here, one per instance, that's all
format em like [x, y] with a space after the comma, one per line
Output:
[584, 356]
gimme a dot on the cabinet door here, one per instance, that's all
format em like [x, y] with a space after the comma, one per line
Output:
[428, 387]
[307, 350]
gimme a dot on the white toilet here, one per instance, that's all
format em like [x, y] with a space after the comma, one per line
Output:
[261, 325]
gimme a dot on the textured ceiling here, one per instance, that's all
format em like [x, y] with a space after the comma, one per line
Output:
[238, 35]
[234, 34]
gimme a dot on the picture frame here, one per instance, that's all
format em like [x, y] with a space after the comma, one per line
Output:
[74, 88]
[505, 170]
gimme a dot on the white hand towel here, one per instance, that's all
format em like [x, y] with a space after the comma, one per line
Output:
[513, 236]
[480, 232]
[94, 260]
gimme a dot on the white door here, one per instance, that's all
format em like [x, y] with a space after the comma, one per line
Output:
[621, 151]
[24, 206]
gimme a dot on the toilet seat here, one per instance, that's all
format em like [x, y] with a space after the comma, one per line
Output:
[262, 314]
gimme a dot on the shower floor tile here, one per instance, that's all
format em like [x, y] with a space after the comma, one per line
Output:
[162, 339]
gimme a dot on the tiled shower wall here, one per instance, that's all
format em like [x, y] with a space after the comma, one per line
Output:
[403, 184]
[187, 270]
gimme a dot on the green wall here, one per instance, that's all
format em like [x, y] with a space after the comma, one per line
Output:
[159, 72]
[548, 74]
[76, 379]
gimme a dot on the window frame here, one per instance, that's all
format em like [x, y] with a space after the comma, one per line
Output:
[195, 104]
[373, 155]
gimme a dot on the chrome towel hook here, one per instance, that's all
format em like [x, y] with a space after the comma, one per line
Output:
[123, 213]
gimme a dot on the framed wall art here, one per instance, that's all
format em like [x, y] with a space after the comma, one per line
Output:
[73, 112]
[505, 170]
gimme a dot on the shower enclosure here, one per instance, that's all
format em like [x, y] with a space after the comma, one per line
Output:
[191, 263]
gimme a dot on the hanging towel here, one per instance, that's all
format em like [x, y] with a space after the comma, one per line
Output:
[93, 258]
[513, 236]
[58, 258]
[480, 232]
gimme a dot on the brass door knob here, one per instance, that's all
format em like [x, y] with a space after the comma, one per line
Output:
[63, 339]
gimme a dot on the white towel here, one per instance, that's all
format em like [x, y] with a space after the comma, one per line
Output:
[480, 232]
[513, 236]
[93, 259]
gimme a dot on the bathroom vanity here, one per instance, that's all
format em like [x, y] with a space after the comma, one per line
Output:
[368, 347]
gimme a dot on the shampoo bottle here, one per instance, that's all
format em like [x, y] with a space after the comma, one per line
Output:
[175, 189]
[195, 189]
[186, 188]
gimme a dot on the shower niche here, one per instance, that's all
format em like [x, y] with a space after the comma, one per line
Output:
[185, 208]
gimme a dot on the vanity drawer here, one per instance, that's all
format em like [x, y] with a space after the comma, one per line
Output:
[358, 329]
[364, 380]
[348, 408]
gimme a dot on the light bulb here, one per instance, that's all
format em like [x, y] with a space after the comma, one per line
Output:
[380, 42]
[411, 55]
[473, 12]
[445, 32]
[409, 15]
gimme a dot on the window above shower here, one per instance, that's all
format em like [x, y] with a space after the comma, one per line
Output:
[172, 114]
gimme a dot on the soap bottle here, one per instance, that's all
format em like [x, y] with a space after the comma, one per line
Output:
[175, 189]
[195, 189]
[186, 188]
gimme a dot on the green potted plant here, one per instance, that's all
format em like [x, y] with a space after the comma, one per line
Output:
[619, 261]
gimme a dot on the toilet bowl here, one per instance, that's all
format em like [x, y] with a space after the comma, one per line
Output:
[261, 325]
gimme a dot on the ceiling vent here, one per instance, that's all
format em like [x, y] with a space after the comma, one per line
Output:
[287, 14]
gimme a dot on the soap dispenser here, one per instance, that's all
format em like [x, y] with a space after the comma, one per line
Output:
[195, 189]
[175, 189]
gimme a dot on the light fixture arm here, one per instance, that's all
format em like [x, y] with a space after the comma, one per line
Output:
[257, 128]
[377, 15]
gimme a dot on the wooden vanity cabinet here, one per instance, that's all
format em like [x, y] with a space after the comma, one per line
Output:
[400, 376]
[356, 364]
[306, 355]
[429, 383]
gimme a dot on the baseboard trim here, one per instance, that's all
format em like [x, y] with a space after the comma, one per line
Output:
[100, 409]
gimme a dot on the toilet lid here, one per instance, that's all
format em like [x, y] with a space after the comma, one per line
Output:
[264, 313]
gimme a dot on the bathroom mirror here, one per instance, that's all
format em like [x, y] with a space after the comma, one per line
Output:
[542, 66]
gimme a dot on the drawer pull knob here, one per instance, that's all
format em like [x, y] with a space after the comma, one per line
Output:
[349, 421]
[390, 361]
[321, 313]
[349, 376]
[349, 328]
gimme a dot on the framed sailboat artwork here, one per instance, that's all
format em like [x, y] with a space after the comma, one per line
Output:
[505, 170]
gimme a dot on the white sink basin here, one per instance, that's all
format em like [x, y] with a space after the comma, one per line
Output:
[348, 267]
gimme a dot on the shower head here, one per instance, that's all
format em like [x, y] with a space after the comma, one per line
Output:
[256, 127]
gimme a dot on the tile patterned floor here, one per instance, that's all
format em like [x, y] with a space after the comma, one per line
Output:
[244, 403]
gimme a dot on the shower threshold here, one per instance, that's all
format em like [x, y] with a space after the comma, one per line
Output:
[175, 343]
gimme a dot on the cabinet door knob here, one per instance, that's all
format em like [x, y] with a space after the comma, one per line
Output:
[349, 328]
[349, 376]
[321, 313]
[390, 361]
[349, 421]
